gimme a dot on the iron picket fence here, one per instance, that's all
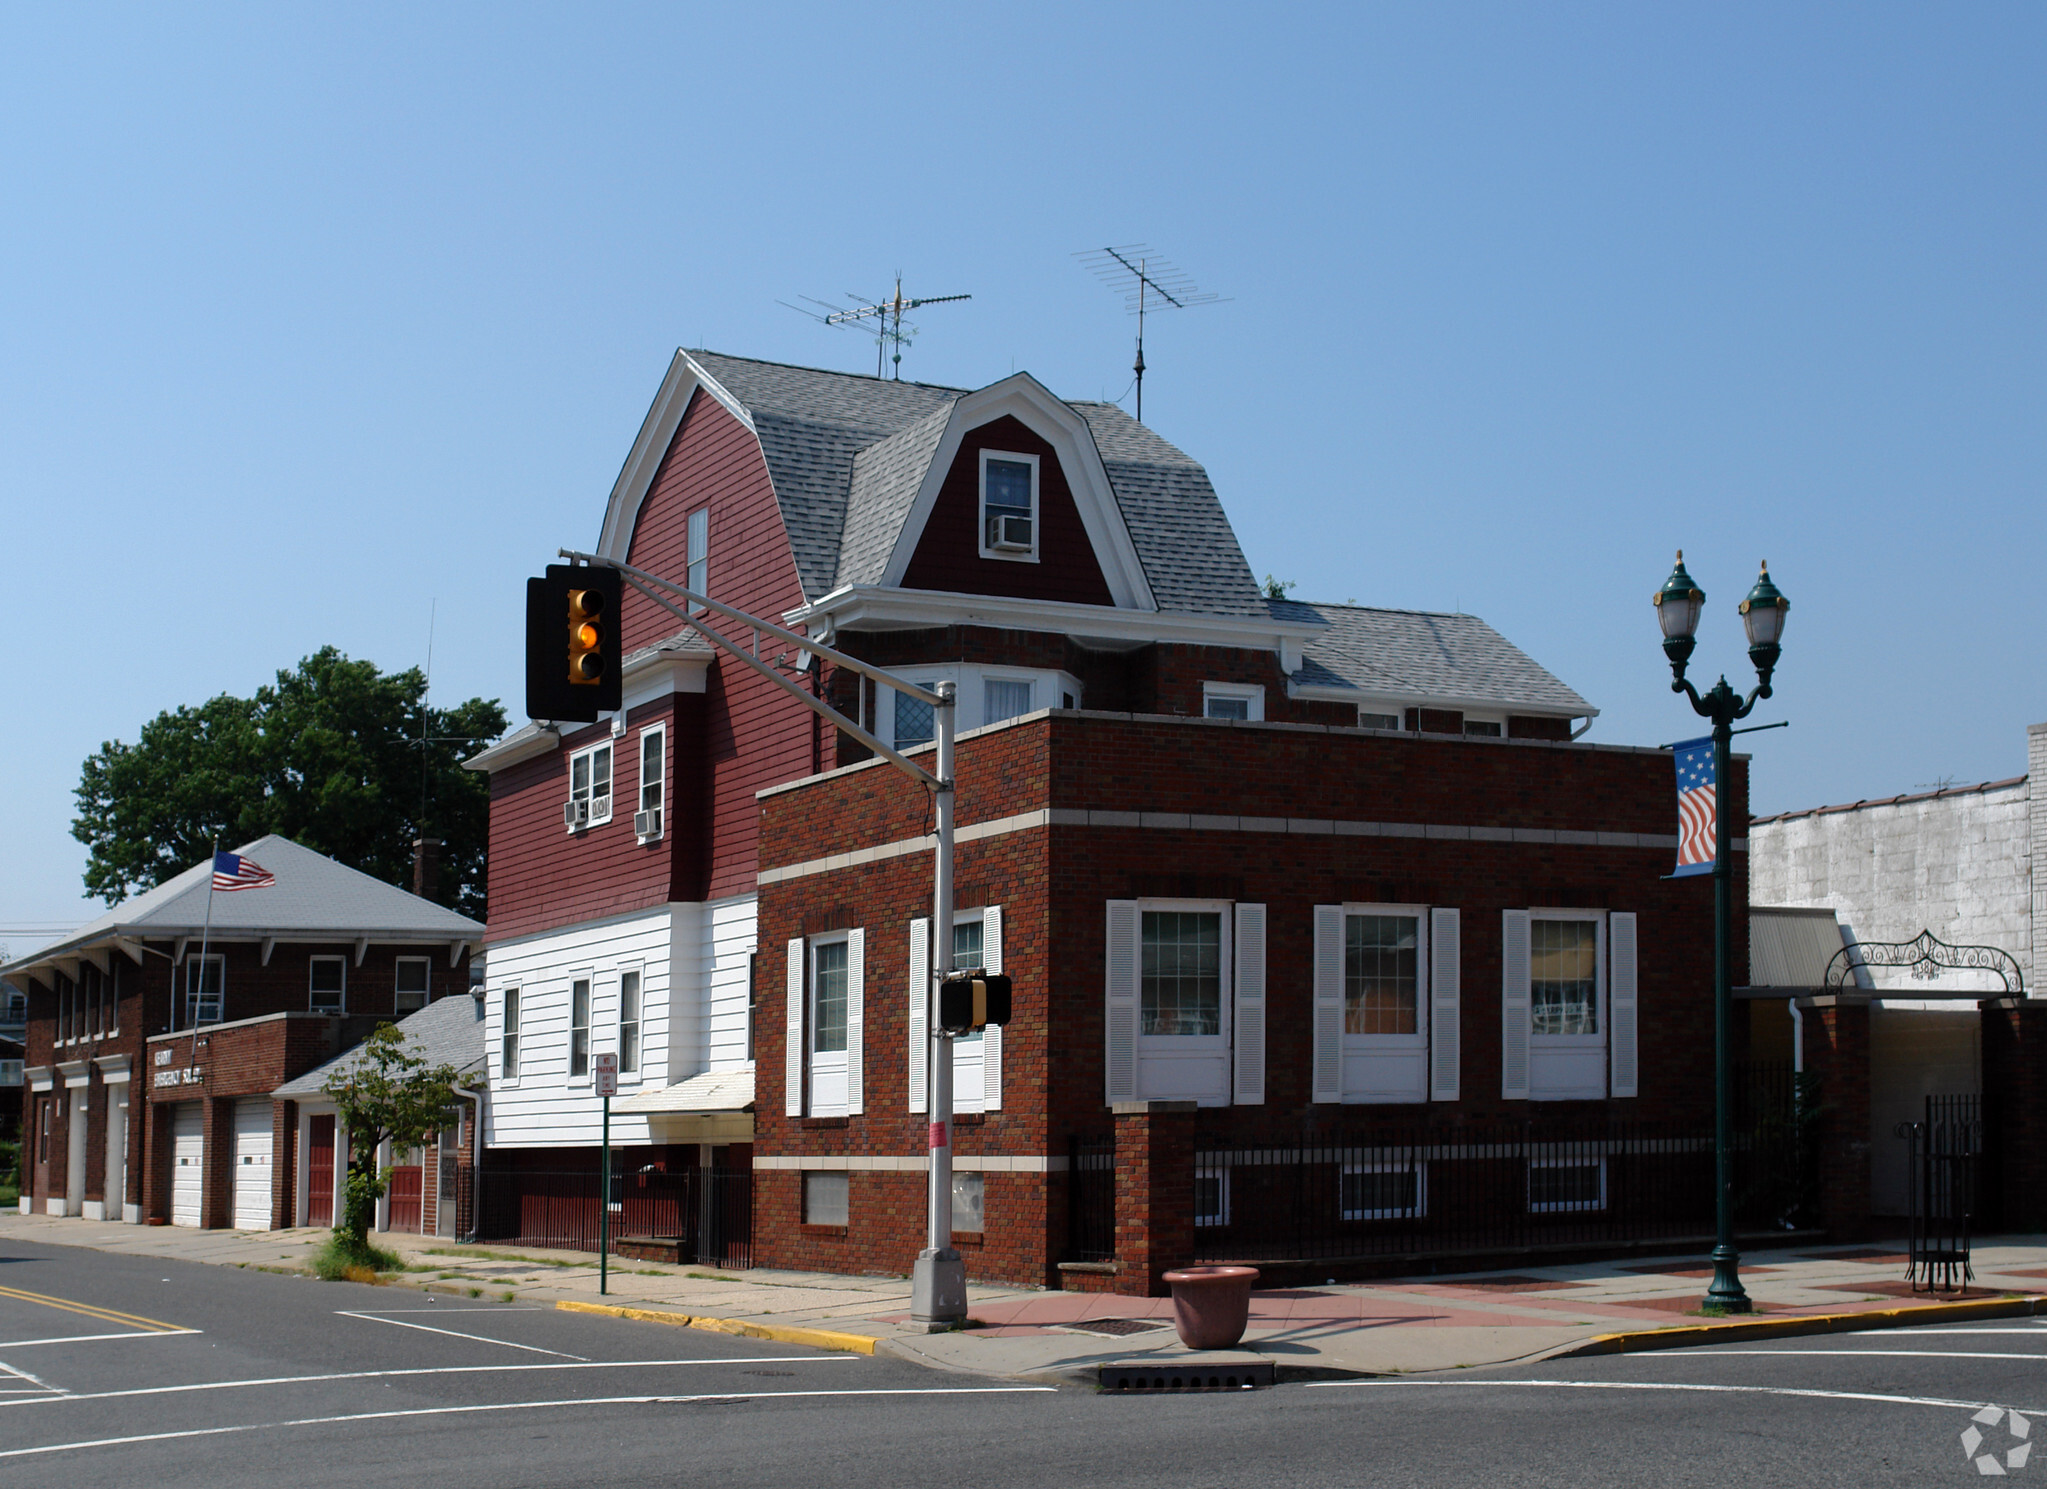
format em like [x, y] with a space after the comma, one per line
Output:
[1091, 1200]
[1946, 1160]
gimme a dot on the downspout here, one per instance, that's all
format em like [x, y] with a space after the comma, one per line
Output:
[475, 1099]
[1797, 1038]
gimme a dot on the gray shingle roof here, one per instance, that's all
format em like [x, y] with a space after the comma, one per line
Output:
[1419, 655]
[847, 453]
[448, 1031]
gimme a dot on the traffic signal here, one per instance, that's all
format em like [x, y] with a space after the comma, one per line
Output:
[969, 1000]
[572, 643]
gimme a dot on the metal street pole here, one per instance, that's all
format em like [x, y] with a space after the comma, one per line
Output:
[938, 1289]
[604, 1211]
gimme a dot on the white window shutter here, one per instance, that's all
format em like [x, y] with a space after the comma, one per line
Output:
[792, 1054]
[1250, 1007]
[856, 1018]
[1328, 1067]
[1515, 1013]
[920, 1013]
[1621, 998]
[1445, 1028]
[991, 1037]
[1119, 1063]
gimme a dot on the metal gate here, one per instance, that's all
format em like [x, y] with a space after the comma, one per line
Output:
[1946, 1163]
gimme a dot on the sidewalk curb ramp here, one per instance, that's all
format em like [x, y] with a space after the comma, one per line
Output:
[1796, 1326]
[859, 1344]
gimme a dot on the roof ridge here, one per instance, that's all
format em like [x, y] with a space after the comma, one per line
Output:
[1893, 801]
[703, 351]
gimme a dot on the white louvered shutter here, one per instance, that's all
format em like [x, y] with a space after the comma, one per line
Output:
[1621, 1002]
[856, 1018]
[920, 1014]
[792, 1054]
[1514, 1009]
[1250, 1007]
[1445, 1027]
[1328, 1068]
[1119, 1058]
[991, 1037]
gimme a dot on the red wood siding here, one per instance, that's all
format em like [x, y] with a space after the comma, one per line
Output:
[948, 553]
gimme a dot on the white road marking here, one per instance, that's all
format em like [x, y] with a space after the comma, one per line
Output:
[1916, 1331]
[299, 1380]
[1657, 1385]
[492, 1308]
[581, 1402]
[1903, 1354]
[34, 1380]
[399, 1323]
[96, 1338]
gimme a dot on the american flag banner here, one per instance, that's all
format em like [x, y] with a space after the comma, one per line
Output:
[1698, 806]
[230, 871]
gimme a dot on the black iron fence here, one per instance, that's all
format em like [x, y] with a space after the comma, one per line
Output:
[706, 1213]
[1945, 1179]
[1091, 1200]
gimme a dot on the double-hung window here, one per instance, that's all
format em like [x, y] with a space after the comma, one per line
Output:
[1554, 1001]
[825, 1048]
[589, 802]
[828, 972]
[969, 1068]
[205, 980]
[327, 982]
[629, 1021]
[699, 571]
[1009, 506]
[579, 1029]
[411, 990]
[647, 821]
[1385, 1003]
[1183, 1001]
[508, 1037]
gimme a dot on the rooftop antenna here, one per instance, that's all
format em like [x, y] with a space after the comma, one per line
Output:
[886, 315]
[1147, 282]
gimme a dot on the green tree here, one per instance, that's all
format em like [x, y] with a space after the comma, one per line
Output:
[387, 1091]
[340, 757]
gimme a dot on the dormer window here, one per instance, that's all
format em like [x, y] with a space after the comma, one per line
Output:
[1009, 506]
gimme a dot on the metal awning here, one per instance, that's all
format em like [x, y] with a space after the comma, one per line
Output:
[713, 1091]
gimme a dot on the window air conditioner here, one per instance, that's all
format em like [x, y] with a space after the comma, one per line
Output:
[575, 813]
[600, 806]
[1010, 532]
[647, 824]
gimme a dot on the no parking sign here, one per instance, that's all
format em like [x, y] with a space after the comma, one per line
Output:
[607, 1074]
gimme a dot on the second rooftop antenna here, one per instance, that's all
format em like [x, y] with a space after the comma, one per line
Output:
[1146, 282]
[887, 318]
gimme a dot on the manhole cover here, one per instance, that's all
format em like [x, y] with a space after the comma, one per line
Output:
[1116, 1328]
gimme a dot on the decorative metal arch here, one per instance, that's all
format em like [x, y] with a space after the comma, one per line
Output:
[1923, 950]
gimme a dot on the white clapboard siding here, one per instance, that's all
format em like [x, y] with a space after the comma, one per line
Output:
[1328, 1060]
[1445, 1027]
[920, 1014]
[991, 1037]
[1119, 1062]
[1622, 997]
[1248, 1088]
[856, 1018]
[1515, 1014]
[792, 1053]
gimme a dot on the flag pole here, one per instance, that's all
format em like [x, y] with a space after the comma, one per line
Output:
[205, 936]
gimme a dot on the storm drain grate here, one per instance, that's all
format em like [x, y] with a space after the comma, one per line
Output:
[1116, 1328]
[1165, 1379]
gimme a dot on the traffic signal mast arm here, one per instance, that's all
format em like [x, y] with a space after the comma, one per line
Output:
[648, 584]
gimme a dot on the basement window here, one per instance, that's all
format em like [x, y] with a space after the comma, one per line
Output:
[825, 1198]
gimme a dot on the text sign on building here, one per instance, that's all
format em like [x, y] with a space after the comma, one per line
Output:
[607, 1074]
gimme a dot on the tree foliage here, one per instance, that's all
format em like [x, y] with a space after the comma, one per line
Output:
[387, 1091]
[330, 756]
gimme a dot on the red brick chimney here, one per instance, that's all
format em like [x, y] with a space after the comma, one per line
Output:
[426, 868]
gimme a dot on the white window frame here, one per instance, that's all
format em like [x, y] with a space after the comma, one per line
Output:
[829, 1062]
[589, 753]
[426, 964]
[638, 1022]
[1577, 1049]
[569, 1073]
[1165, 1050]
[1210, 1168]
[970, 1094]
[341, 1006]
[1379, 1068]
[697, 573]
[192, 1018]
[1251, 694]
[660, 784]
[1560, 1207]
[1419, 1168]
[970, 680]
[1491, 721]
[981, 520]
[1031, 680]
[1370, 713]
[509, 1001]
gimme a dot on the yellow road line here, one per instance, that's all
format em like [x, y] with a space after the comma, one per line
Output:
[859, 1344]
[93, 1310]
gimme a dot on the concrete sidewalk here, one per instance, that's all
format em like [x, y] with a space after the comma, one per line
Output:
[1433, 1323]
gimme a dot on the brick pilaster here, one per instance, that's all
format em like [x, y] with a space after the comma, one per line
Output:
[1837, 1051]
[2015, 1105]
[217, 1181]
[1154, 1193]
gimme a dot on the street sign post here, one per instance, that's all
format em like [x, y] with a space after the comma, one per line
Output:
[606, 1071]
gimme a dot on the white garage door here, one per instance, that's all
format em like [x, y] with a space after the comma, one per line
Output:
[188, 1150]
[252, 1164]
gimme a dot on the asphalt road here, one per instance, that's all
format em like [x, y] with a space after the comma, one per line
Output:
[129, 1371]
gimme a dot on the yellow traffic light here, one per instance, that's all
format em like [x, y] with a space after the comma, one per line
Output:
[586, 637]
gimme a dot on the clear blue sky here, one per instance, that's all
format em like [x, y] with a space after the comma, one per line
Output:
[310, 317]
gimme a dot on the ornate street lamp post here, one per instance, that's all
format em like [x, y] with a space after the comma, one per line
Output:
[1678, 605]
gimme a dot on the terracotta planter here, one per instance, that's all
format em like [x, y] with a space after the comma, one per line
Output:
[1211, 1305]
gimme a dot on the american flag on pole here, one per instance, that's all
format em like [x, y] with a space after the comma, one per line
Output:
[230, 871]
[1697, 806]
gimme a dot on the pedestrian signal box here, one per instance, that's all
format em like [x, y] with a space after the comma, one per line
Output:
[968, 1001]
[572, 643]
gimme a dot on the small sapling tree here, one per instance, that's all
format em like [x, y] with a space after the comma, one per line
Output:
[388, 1092]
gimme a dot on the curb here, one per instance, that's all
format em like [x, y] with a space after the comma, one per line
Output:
[859, 1344]
[1802, 1324]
